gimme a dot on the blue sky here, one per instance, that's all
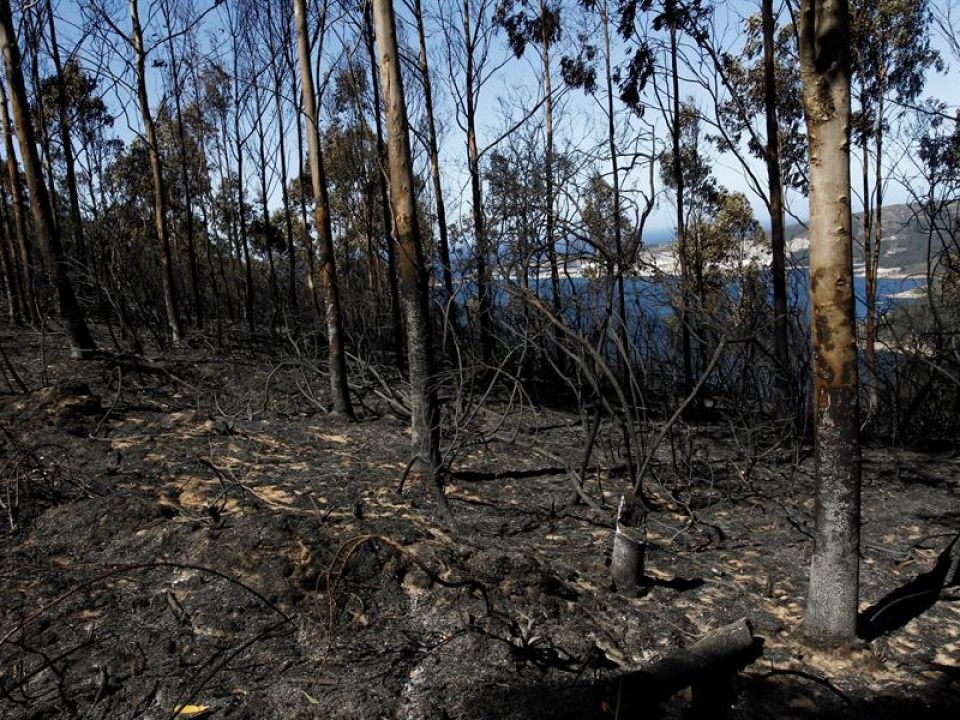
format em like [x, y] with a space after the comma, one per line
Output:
[515, 87]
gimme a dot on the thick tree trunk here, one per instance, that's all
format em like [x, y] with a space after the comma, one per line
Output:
[781, 349]
[396, 323]
[156, 172]
[413, 271]
[708, 665]
[302, 203]
[339, 389]
[834, 573]
[81, 342]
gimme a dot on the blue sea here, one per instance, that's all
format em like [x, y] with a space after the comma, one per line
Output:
[654, 297]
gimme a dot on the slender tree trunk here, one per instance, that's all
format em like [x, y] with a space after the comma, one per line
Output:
[413, 271]
[267, 228]
[13, 262]
[872, 265]
[11, 284]
[188, 202]
[551, 219]
[681, 221]
[434, 151]
[339, 389]
[781, 350]
[476, 192]
[66, 140]
[156, 171]
[277, 77]
[615, 181]
[81, 342]
[824, 35]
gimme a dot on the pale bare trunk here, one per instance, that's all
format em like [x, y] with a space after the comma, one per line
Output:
[834, 572]
[413, 271]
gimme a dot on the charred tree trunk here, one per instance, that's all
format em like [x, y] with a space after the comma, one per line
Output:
[81, 342]
[615, 182]
[872, 264]
[824, 36]
[11, 284]
[681, 224]
[66, 140]
[413, 271]
[781, 349]
[188, 224]
[476, 193]
[156, 172]
[546, 27]
[434, 150]
[339, 389]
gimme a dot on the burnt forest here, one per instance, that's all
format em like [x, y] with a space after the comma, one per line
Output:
[479, 359]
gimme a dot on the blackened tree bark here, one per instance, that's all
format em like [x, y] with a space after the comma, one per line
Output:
[434, 150]
[81, 342]
[413, 272]
[824, 36]
[675, 130]
[185, 179]
[339, 389]
[480, 246]
[781, 349]
[76, 222]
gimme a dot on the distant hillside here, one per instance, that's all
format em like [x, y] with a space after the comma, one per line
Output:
[903, 246]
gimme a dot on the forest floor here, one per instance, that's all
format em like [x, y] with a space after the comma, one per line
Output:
[202, 541]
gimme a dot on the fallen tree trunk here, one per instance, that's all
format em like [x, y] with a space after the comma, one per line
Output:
[708, 666]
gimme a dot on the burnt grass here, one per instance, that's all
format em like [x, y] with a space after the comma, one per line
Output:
[197, 536]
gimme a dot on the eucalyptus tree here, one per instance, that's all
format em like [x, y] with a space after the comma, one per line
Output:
[891, 56]
[433, 149]
[413, 271]
[468, 34]
[48, 237]
[66, 140]
[825, 67]
[756, 97]
[140, 51]
[339, 389]
[382, 182]
[539, 26]
[17, 211]
[168, 8]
